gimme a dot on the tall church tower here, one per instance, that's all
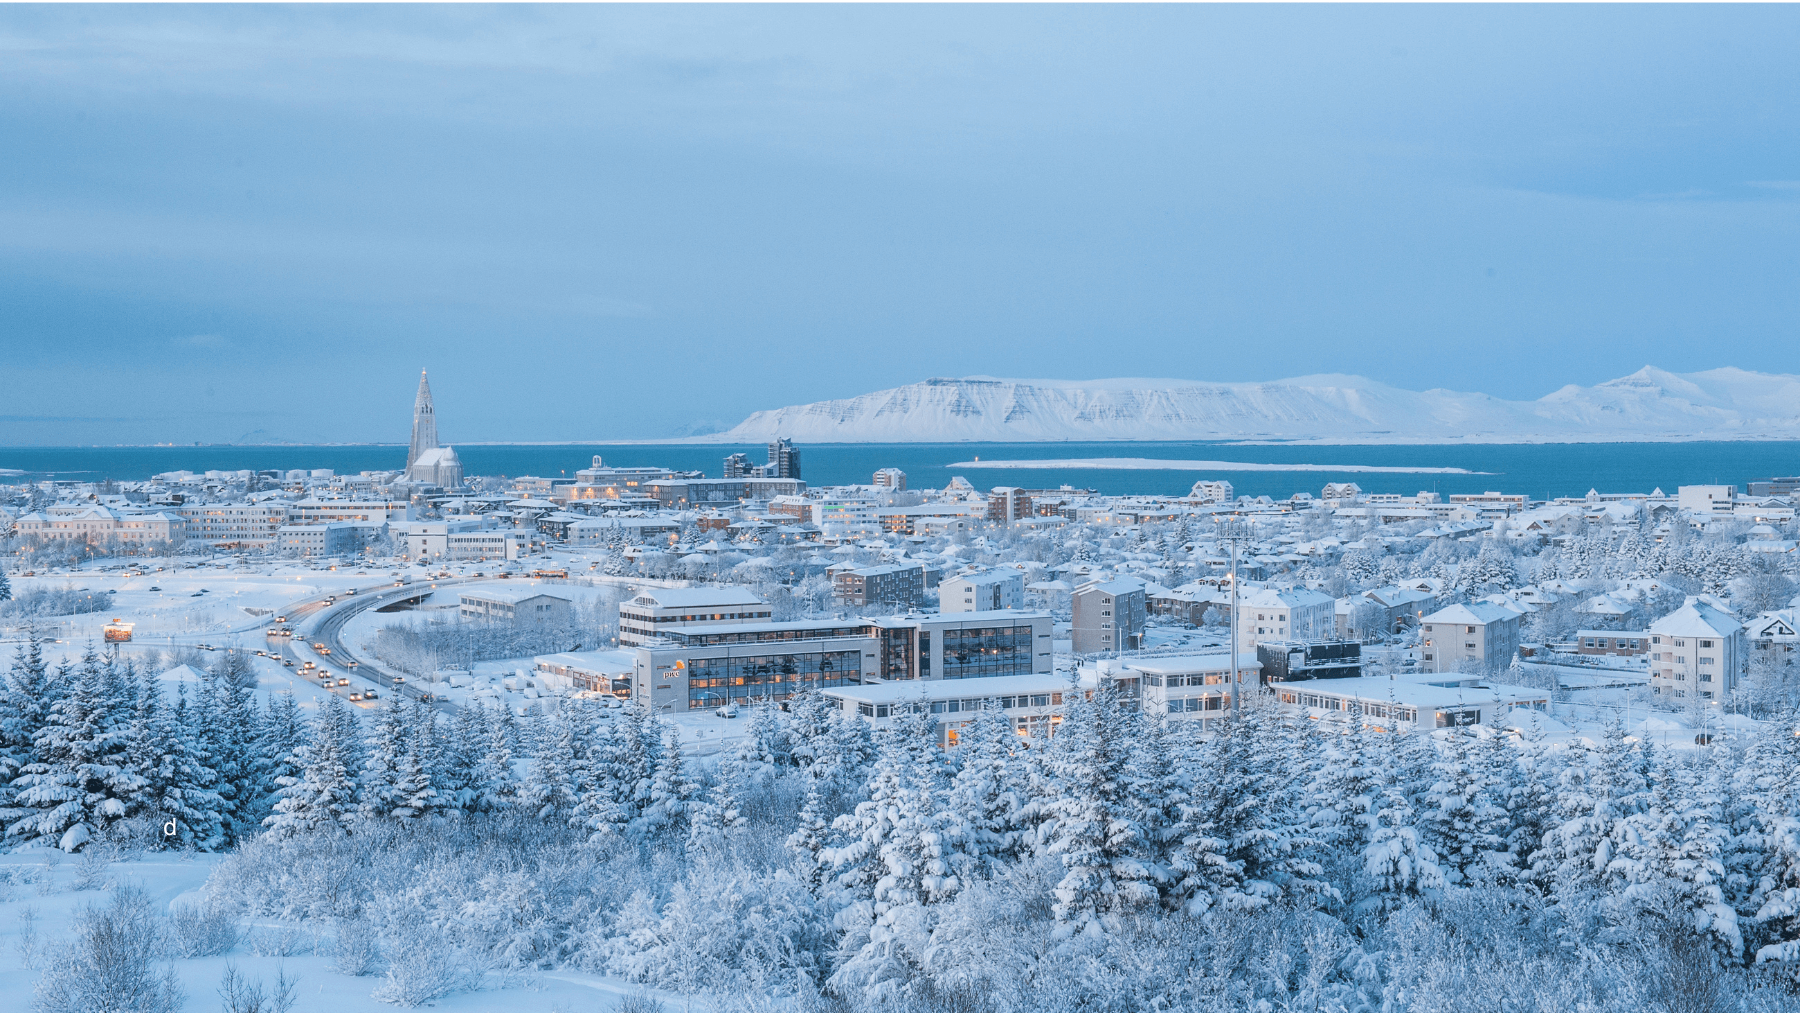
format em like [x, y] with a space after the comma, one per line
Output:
[424, 435]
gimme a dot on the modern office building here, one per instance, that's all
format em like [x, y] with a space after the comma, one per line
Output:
[764, 661]
[657, 612]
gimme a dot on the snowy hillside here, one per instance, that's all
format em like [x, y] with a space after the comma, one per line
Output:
[1650, 404]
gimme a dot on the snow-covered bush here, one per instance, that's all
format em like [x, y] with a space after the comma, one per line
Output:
[113, 965]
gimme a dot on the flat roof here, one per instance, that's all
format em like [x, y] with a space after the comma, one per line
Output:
[951, 689]
[1181, 664]
[1381, 690]
[695, 597]
[509, 595]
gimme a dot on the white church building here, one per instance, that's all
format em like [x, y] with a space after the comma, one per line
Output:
[426, 461]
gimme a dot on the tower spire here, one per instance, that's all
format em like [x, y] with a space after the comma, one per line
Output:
[424, 431]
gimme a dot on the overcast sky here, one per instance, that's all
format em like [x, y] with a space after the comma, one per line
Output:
[608, 223]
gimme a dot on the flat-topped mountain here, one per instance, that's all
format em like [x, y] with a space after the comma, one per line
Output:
[1649, 405]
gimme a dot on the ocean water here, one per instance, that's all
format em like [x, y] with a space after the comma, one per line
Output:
[1541, 470]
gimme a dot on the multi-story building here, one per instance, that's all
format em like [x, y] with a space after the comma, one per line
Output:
[330, 511]
[528, 603]
[1190, 688]
[591, 531]
[784, 459]
[1478, 638]
[1294, 614]
[895, 585]
[701, 666]
[1698, 650]
[1297, 661]
[1614, 643]
[1212, 490]
[331, 539]
[657, 612]
[1007, 504]
[1491, 504]
[892, 479]
[1109, 616]
[1706, 499]
[100, 526]
[985, 591]
[1032, 703]
[486, 543]
[234, 525]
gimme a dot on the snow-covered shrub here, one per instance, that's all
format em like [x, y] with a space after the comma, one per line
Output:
[111, 964]
[421, 967]
[355, 950]
[202, 930]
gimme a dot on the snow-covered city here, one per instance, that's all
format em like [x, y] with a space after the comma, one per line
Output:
[899, 508]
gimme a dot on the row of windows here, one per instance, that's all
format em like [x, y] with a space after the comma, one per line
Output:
[1332, 703]
[713, 681]
[987, 651]
[1196, 703]
[1208, 679]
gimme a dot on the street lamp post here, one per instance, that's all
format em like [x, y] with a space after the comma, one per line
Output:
[1234, 532]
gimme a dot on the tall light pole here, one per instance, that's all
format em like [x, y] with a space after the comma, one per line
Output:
[1234, 532]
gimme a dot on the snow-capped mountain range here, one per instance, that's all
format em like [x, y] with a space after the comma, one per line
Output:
[1649, 405]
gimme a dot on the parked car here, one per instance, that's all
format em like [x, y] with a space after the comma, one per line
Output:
[727, 711]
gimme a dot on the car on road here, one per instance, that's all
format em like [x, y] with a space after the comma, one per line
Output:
[355, 697]
[343, 682]
[368, 694]
[288, 663]
[318, 645]
[281, 619]
[325, 651]
[398, 679]
[350, 664]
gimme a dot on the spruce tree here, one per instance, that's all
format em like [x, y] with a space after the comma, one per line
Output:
[79, 783]
[1101, 846]
[179, 793]
[322, 800]
[987, 791]
[548, 793]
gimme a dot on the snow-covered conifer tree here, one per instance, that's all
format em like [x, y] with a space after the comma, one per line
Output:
[80, 783]
[322, 800]
[1100, 844]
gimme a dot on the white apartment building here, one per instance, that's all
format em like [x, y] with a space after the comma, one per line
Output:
[242, 525]
[328, 511]
[1477, 638]
[986, 591]
[1195, 687]
[1697, 650]
[1295, 614]
[1216, 490]
[492, 543]
[656, 611]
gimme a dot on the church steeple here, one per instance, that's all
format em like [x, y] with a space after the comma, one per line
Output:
[424, 431]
